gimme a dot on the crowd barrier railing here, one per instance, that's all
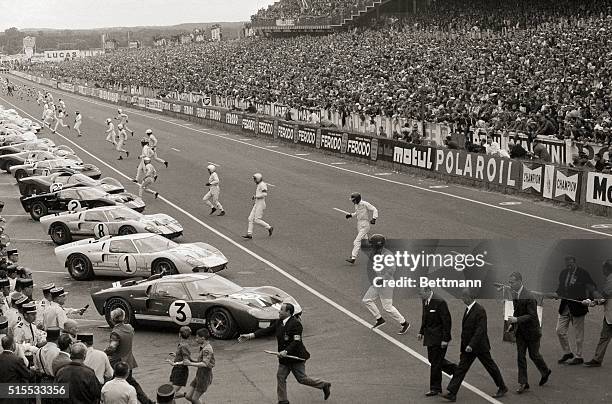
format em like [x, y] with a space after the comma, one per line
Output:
[577, 188]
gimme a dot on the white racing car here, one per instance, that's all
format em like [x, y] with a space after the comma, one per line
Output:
[138, 254]
[107, 221]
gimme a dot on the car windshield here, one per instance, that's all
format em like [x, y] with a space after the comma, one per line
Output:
[154, 244]
[123, 214]
[91, 193]
[214, 285]
[81, 179]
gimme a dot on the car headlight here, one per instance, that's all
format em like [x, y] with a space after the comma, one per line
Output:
[194, 262]
[153, 229]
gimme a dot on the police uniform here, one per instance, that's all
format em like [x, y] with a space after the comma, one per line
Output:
[55, 315]
[4, 297]
[24, 283]
[26, 332]
[18, 348]
[42, 304]
[14, 315]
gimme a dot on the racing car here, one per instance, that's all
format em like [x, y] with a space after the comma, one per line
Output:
[109, 220]
[210, 300]
[75, 198]
[32, 156]
[47, 167]
[12, 137]
[137, 254]
[66, 178]
[37, 144]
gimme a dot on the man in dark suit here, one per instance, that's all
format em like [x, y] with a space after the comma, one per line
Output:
[474, 345]
[526, 324]
[63, 358]
[12, 368]
[288, 331]
[435, 332]
[82, 382]
[574, 283]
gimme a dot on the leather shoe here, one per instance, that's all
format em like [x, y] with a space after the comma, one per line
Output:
[501, 392]
[522, 388]
[565, 357]
[576, 361]
[432, 393]
[592, 364]
[544, 378]
[326, 391]
[450, 397]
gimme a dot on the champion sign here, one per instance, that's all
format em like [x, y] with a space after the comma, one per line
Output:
[532, 178]
[248, 124]
[599, 189]
[566, 185]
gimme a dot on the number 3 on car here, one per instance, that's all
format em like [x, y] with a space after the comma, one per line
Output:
[180, 312]
[127, 264]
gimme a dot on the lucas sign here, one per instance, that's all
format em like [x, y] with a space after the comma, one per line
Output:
[60, 56]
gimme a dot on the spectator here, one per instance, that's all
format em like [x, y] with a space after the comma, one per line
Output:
[540, 151]
[63, 357]
[82, 383]
[118, 390]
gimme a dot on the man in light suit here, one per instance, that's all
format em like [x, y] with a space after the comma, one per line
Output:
[606, 329]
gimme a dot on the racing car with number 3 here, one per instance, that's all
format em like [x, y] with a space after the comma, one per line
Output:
[210, 300]
[72, 199]
[140, 254]
[107, 221]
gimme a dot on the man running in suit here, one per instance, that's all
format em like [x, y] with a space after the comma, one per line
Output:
[474, 345]
[435, 333]
[288, 331]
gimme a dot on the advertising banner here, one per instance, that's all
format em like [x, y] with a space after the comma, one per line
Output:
[60, 56]
[232, 118]
[567, 185]
[532, 178]
[285, 132]
[249, 124]
[265, 127]
[484, 168]
[154, 105]
[332, 141]
[359, 146]
[599, 188]
[306, 136]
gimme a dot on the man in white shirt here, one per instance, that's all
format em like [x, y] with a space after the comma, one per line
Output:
[96, 359]
[362, 213]
[45, 356]
[78, 119]
[110, 132]
[153, 145]
[259, 205]
[212, 196]
[124, 120]
[118, 390]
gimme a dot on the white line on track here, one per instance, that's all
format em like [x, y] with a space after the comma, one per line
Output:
[245, 139]
[50, 272]
[338, 163]
[383, 174]
[302, 154]
[272, 147]
[281, 271]
[175, 149]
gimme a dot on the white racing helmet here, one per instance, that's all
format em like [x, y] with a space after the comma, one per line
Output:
[120, 126]
[149, 132]
[146, 160]
[258, 177]
[119, 110]
[211, 168]
[108, 120]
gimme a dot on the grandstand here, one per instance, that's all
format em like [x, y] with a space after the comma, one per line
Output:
[537, 67]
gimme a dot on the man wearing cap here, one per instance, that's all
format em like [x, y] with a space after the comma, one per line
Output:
[55, 314]
[11, 271]
[26, 331]
[118, 390]
[120, 349]
[43, 360]
[4, 330]
[5, 288]
[14, 314]
[96, 359]
[25, 286]
[165, 394]
[42, 304]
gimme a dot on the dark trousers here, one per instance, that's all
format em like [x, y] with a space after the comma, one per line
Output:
[465, 362]
[522, 345]
[435, 355]
[140, 394]
[299, 371]
[604, 339]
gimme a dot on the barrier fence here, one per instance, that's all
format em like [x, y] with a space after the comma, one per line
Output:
[555, 182]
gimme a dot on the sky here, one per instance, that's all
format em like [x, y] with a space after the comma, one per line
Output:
[81, 14]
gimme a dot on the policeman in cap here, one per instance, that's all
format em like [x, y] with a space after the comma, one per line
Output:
[25, 286]
[26, 331]
[5, 288]
[42, 304]
[378, 290]
[362, 213]
[165, 394]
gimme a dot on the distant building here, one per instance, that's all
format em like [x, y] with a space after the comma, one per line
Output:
[216, 33]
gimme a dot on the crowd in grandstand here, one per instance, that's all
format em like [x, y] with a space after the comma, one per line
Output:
[551, 80]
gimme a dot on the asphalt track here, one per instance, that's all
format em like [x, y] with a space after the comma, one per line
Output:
[305, 257]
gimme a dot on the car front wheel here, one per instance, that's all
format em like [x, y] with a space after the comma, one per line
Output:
[220, 323]
[60, 234]
[79, 267]
[119, 303]
[38, 210]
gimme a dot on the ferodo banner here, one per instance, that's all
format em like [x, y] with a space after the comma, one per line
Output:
[599, 189]
[332, 141]
[154, 105]
[567, 185]
[249, 124]
[486, 169]
[306, 135]
[232, 118]
[532, 178]
[265, 127]
[285, 132]
[359, 146]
